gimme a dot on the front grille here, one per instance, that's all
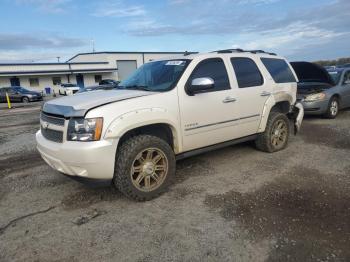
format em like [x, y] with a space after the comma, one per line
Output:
[52, 135]
[52, 119]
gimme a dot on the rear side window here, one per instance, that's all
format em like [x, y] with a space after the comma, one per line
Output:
[279, 70]
[247, 72]
[215, 69]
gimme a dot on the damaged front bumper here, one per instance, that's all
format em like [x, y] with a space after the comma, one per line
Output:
[297, 113]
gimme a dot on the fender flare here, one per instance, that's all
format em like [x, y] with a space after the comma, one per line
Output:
[144, 117]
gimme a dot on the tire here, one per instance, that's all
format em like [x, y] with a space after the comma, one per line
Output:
[135, 163]
[25, 100]
[333, 108]
[271, 140]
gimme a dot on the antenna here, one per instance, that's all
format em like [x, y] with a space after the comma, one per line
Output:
[58, 59]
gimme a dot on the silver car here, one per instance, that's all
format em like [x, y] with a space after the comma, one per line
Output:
[322, 92]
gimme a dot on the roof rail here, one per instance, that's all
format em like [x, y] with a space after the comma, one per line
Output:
[239, 50]
[260, 52]
[224, 51]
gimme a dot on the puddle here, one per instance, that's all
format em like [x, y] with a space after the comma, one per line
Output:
[89, 196]
[20, 162]
[325, 135]
[308, 212]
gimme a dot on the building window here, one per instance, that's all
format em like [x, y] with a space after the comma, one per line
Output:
[98, 78]
[33, 82]
[56, 81]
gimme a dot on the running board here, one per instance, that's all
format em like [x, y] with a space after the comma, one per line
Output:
[215, 147]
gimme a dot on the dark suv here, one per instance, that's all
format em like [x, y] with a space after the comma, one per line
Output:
[19, 94]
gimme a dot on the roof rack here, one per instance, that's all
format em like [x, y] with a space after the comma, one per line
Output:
[239, 50]
[225, 51]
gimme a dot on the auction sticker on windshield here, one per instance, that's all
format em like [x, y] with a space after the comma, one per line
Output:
[175, 63]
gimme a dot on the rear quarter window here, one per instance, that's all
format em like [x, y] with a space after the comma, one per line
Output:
[279, 70]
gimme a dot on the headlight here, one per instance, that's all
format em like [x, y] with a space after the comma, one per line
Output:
[315, 97]
[80, 129]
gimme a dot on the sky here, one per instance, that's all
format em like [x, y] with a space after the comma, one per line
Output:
[42, 30]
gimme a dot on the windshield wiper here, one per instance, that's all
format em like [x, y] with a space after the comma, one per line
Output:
[137, 87]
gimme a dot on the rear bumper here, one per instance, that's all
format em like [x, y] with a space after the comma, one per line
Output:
[93, 160]
[298, 116]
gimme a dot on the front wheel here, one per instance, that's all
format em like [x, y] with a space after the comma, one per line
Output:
[276, 134]
[144, 168]
[333, 108]
[25, 99]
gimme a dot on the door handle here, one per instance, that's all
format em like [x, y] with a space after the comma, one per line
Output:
[265, 93]
[229, 100]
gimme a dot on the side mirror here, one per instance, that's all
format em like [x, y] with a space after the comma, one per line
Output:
[199, 85]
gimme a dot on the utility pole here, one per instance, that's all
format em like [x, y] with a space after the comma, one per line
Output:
[93, 45]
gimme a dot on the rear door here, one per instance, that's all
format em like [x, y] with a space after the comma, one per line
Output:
[252, 93]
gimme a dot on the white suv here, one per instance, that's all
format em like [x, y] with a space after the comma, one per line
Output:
[168, 110]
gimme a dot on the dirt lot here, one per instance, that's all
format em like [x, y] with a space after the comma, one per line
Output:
[234, 204]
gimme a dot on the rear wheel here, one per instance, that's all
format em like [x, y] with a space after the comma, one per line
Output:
[276, 135]
[145, 166]
[333, 108]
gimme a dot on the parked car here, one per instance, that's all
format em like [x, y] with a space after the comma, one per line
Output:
[322, 92]
[109, 82]
[94, 88]
[67, 89]
[19, 94]
[168, 110]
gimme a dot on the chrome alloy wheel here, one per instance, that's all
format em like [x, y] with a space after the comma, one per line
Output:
[279, 134]
[149, 169]
[334, 108]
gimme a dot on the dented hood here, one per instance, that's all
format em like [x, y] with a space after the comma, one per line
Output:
[78, 105]
[310, 72]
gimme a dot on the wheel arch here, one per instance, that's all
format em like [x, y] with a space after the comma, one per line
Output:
[157, 122]
[276, 104]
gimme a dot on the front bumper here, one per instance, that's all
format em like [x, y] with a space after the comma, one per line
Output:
[35, 98]
[93, 160]
[315, 107]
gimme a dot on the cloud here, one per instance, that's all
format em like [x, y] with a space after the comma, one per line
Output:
[118, 9]
[47, 6]
[30, 41]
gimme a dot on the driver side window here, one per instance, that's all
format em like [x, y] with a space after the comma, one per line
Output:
[215, 69]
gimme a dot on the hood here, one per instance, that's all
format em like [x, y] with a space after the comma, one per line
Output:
[79, 104]
[310, 72]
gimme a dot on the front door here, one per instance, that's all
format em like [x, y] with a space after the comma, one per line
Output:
[346, 89]
[209, 117]
[80, 80]
[15, 81]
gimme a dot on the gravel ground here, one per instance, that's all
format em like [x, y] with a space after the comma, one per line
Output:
[234, 204]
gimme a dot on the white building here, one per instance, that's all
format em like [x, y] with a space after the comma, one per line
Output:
[84, 69]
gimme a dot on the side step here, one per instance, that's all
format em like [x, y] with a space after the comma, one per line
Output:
[215, 147]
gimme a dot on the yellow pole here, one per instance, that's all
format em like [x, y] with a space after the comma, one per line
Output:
[8, 100]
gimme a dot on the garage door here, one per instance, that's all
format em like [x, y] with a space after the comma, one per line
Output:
[125, 68]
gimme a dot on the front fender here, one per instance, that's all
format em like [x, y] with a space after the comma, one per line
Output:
[143, 117]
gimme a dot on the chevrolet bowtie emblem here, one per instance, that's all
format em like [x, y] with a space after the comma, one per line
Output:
[45, 125]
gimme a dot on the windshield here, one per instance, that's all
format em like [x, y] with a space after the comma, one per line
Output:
[69, 85]
[21, 89]
[335, 75]
[156, 76]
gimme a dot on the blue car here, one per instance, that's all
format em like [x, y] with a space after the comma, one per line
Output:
[320, 91]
